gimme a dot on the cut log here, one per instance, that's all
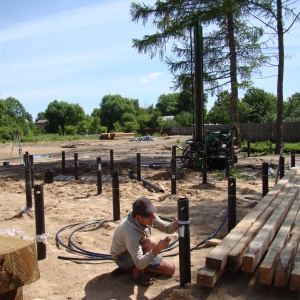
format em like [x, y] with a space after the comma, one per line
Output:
[259, 245]
[287, 256]
[217, 258]
[269, 264]
[18, 264]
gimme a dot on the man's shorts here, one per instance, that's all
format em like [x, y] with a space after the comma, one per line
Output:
[125, 261]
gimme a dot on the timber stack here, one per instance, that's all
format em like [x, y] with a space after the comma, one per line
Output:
[267, 239]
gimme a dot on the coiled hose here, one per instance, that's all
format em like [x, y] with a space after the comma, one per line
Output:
[94, 256]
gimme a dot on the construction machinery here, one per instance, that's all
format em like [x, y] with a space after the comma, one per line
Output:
[217, 145]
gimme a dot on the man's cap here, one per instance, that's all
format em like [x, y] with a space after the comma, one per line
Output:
[143, 207]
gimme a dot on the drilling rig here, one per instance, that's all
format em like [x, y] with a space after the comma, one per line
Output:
[218, 145]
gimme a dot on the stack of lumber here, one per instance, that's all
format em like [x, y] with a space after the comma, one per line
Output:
[18, 266]
[123, 135]
[117, 135]
[267, 239]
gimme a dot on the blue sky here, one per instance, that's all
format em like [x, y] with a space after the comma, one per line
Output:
[80, 50]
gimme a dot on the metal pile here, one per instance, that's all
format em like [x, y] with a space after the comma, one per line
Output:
[147, 138]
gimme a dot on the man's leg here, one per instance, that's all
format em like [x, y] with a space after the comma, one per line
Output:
[160, 266]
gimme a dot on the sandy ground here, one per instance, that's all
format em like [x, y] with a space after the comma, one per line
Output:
[68, 201]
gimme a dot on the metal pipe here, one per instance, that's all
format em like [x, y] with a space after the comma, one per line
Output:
[145, 182]
[231, 203]
[281, 167]
[31, 170]
[265, 179]
[99, 176]
[184, 241]
[293, 153]
[27, 181]
[174, 151]
[63, 162]
[204, 167]
[39, 220]
[116, 195]
[76, 165]
[138, 167]
[173, 176]
[111, 155]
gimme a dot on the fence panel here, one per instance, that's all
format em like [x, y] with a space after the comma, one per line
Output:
[256, 131]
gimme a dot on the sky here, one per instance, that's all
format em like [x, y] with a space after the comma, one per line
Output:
[81, 50]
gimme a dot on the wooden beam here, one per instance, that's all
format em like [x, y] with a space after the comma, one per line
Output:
[287, 255]
[269, 264]
[295, 274]
[259, 245]
[18, 263]
[208, 277]
[217, 258]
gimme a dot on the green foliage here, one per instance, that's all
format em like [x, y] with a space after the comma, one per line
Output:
[167, 104]
[184, 119]
[257, 106]
[61, 114]
[131, 126]
[6, 133]
[117, 127]
[113, 107]
[220, 112]
[70, 130]
[292, 108]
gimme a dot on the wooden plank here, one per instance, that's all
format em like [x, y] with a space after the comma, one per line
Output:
[269, 264]
[18, 263]
[213, 242]
[295, 274]
[217, 258]
[123, 135]
[283, 270]
[235, 256]
[259, 245]
[208, 277]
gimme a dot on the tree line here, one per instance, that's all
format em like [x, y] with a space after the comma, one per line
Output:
[241, 37]
[116, 113]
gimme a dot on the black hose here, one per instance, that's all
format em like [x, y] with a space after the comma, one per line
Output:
[205, 240]
[93, 256]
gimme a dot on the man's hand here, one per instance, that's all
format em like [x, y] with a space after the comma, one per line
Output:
[175, 224]
[161, 245]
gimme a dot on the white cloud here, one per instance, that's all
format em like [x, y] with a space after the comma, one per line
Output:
[150, 77]
[65, 20]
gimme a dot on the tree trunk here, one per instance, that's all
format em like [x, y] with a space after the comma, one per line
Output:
[279, 139]
[233, 75]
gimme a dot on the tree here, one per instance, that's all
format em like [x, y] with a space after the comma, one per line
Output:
[55, 114]
[15, 110]
[258, 106]
[40, 116]
[292, 108]
[220, 112]
[61, 114]
[167, 104]
[184, 119]
[231, 48]
[113, 107]
[270, 13]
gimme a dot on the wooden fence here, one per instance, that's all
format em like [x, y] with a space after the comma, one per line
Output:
[256, 131]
